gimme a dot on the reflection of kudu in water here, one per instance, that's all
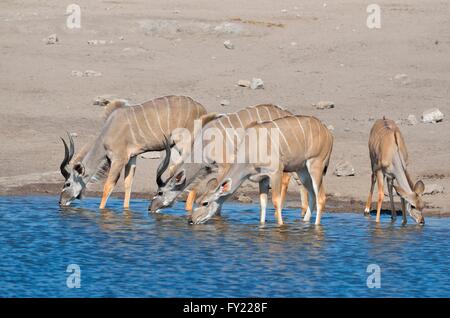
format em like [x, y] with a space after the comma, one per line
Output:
[228, 128]
[389, 158]
[303, 145]
[127, 132]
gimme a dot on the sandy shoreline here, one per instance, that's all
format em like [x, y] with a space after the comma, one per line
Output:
[304, 52]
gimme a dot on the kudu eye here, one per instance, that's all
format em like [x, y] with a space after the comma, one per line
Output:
[67, 184]
[205, 203]
[160, 193]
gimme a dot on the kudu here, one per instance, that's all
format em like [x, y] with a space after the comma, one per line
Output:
[127, 132]
[227, 128]
[389, 158]
[299, 144]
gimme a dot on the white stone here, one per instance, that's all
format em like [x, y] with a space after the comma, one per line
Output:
[244, 83]
[52, 39]
[324, 105]
[412, 120]
[225, 102]
[432, 115]
[228, 45]
[257, 83]
[344, 169]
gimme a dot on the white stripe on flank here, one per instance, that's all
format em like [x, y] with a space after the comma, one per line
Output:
[304, 135]
[240, 121]
[295, 133]
[131, 130]
[318, 134]
[179, 117]
[268, 112]
[310, 134]
[225, 130]
[168, 113]
[140, 132]
[257, 113]
[282, 134]
[159, 120]
[148, 124]
[249, 115]
[188, 112]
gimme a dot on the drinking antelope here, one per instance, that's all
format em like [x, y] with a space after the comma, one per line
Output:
[302, 144]
[228, 127]
[127, 132]
[389, 158]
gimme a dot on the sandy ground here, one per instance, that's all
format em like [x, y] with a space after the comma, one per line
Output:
[304, 51]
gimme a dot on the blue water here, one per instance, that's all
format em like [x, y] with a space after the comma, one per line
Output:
[134, 254]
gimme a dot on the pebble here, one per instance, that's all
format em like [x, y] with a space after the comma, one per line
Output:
[151, 155]
[244, 83]
[225, 102]
[228, 45]
[257, 83]
[242, 198]
[412, 120]
[52, 39]
[344, 169]
[324, 105]
[432, 115]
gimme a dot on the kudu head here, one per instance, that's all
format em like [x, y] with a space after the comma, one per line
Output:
[167, 190]
[74, 184]
[414, 203]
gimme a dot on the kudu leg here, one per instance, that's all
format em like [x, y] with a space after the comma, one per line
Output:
[284, 186]
[130, 169]
[304, 198]
[275, 183]
[190, 200]
[308, 193]
[316, 172]
[263, 193]
[111, 180]
[380, 194]
[404, 220]
[369, 199]
[391, 198]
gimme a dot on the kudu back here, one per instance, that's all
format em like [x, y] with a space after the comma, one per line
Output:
[127, 132]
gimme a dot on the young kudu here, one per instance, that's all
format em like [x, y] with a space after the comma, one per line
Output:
[389, 158]
[127, 132]
[226, 127]
[299, 144]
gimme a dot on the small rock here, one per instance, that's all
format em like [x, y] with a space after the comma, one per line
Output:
[73, 134]
[402, 79]
[91, 73]
[103, 100]
[225, 102]
[346, 129]
[96, 42]
[244, 83]
[431, 189]
[121, 38]
[324, 105]
[77, 73]
[242, 198]
[432, 115]
[257, 83]
[52, 39]
[151, 155]
[344, 169]
[412, 120]
[330, 127]
[228, 45]
[284, 11]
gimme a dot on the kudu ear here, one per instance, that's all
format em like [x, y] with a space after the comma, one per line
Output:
[225, 187]
[79, 168]
[180, 177]
[419, 187]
